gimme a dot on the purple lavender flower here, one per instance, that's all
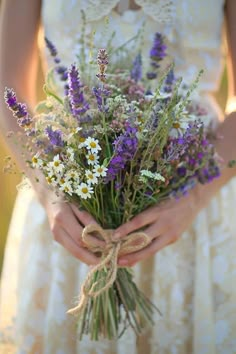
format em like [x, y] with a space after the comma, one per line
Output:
[52, 50]
[55, 136]
[136, 72]
[101, 93]
[62, 72]
[76, 96]
[157, 54]
[19, 109]
[170, 79]
[125, 147]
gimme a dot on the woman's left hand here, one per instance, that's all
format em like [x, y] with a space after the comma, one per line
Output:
[164, 224]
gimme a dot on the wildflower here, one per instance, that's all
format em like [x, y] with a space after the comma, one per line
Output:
[84, 191]
[136, 72]
[170, 79]
[100, 171]
[91, 177]
[54, 136]
[76, 96]
[92, 144]
[19, 109]
[157, 54]
[152, 175]
[81, 142]
[36, 162]
[102, 61]
[101, 93]
[125, 147]
[92, 158]
[56, 166]
[51, 180]
[72, 174]
[65, 186]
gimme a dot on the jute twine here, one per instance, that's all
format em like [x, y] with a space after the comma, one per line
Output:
[109, 256]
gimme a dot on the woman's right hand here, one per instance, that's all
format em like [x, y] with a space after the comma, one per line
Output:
[66, 223]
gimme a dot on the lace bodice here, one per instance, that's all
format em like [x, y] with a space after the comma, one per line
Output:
[194, 37]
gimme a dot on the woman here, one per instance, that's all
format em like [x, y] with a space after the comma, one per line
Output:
[191, 280]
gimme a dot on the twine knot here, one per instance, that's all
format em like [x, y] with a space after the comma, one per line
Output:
[109, 256]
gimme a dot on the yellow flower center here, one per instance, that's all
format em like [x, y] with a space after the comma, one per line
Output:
[90, 176]
[91, 157]
[56, 163]
[99, 170]
[176, 125]
[34, 159]
[62, 181]
[85, 190]
[66, 189]
[93, 144]
[49, 180]
[81, 139]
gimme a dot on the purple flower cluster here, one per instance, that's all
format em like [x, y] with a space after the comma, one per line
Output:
[54, 136]
[136, 71]
[157, 54]
[19, 109]
[78, 103]
[197, 152]
[125, 147]
[101, 93]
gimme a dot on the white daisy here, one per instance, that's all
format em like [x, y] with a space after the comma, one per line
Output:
[81, 142]
[91, 177]
[84, 191]
[72, 174]
[36, 162]
[56, 165]
[92, 158]
[100, 171]
[51, 180]
[92, 144]
[66, 186]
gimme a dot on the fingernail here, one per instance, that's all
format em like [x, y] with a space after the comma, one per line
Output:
[123, 262]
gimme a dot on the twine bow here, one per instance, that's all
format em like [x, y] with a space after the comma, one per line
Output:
[110, 252]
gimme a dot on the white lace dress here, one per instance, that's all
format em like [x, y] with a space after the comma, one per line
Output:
[191, 281]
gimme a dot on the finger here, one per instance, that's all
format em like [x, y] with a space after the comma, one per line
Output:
[80, 253]
[83, 216]
[85, 219]
[155, 246]
[143, 219]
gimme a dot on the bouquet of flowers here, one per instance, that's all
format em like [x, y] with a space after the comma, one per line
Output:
[116, 147]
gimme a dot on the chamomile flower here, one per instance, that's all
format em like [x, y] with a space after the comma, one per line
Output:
[179, 126]
[92, 145]
[56, 165]
[51, 180]
[36, 162]
[72, 174]
[91, 177]
[66, 186]
[100, 171]
[81, 142]
[92, 158]
[84, 191]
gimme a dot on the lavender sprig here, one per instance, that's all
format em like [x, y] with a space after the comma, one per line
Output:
[125, 147]
[78, 103]
[55, 136]
[102, 61]
[19, 109]
[136, 72]
[157, 54]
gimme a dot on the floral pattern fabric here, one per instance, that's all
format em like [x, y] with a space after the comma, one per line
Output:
[192, 281]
